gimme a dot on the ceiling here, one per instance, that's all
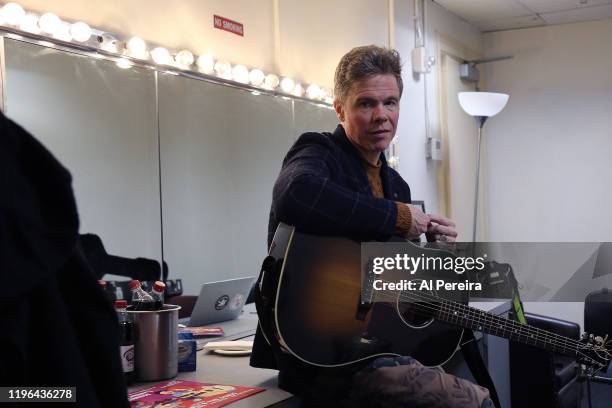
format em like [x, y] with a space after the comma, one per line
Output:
[496, 15]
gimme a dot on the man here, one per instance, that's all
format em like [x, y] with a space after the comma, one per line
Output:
[340, 184]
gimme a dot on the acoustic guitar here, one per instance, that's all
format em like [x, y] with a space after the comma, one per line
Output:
[311, 304]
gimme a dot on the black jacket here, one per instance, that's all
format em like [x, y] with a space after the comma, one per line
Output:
[323, 189]
[57, 326]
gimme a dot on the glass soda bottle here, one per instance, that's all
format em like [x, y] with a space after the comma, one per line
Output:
[109, 292]
[141, 300]
[157, 293]
[126, 345]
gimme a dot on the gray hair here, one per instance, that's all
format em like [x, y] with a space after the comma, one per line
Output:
[363, 62]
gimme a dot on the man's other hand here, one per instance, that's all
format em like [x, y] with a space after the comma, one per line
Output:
[441, 229]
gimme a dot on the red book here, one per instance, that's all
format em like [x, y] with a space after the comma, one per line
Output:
[178, 393]
[204, 331]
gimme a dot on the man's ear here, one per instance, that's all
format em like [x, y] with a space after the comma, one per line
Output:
[339, 108]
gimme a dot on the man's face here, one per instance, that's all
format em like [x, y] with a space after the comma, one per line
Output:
[370, 112]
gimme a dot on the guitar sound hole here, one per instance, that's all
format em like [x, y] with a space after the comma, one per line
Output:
[416, 314]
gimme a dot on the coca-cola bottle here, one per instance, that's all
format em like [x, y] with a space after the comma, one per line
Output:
[110, 294]
[141, 300]
[158, 294]
[126, 345]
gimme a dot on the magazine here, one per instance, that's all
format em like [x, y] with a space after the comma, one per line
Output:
[204, 331]
[178, 393]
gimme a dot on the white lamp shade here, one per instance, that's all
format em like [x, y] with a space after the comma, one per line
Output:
[482, 103]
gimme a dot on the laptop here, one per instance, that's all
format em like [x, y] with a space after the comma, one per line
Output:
[220, 301]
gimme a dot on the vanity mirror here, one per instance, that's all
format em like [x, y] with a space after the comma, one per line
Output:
[165, 166]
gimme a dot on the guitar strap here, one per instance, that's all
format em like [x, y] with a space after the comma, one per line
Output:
[473, 358]
[517, 303]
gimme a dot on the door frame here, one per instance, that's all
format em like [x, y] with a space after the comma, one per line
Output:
[447, 47]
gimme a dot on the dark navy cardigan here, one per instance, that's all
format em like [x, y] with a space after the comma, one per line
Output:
[323, 188]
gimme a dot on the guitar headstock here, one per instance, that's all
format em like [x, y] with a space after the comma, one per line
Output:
[594, 352]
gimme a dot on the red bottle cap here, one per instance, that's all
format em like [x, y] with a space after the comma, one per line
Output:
[102, 283]
[120, 304]
[159, 286]
[134, 284]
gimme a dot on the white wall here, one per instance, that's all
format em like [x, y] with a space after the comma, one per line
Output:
[549, 150]
[420, 173]
[314, 34]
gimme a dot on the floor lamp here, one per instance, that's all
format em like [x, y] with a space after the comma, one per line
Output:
[481, 105]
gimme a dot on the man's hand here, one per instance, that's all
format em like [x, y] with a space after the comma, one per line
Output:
[420, 222]
[441, 229]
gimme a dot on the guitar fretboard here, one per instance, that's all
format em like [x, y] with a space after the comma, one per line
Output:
[465, 316]
[476, 319]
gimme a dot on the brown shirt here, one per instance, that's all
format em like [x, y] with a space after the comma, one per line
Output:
[404, 216]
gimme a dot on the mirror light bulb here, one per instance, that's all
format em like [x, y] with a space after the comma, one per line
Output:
[223, 69]
[137, 47]
[240, 74]
[287, 85]
[271, 81]
[49, 23]
[313, 91]
[184, 58]
[206, 64]
[297, 90]
[13, 14]
[30, 24]
[161, 56]
[80, 31]
[63, 32]
[256, 77]
[326, 95]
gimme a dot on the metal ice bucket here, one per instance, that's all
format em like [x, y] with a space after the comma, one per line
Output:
[156, 346]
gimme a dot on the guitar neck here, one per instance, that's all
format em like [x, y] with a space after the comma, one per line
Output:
[476, 319]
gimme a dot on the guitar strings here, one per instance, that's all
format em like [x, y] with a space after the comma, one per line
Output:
[471, 318]
[480, 314]
[576, 350]
[481, 318]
